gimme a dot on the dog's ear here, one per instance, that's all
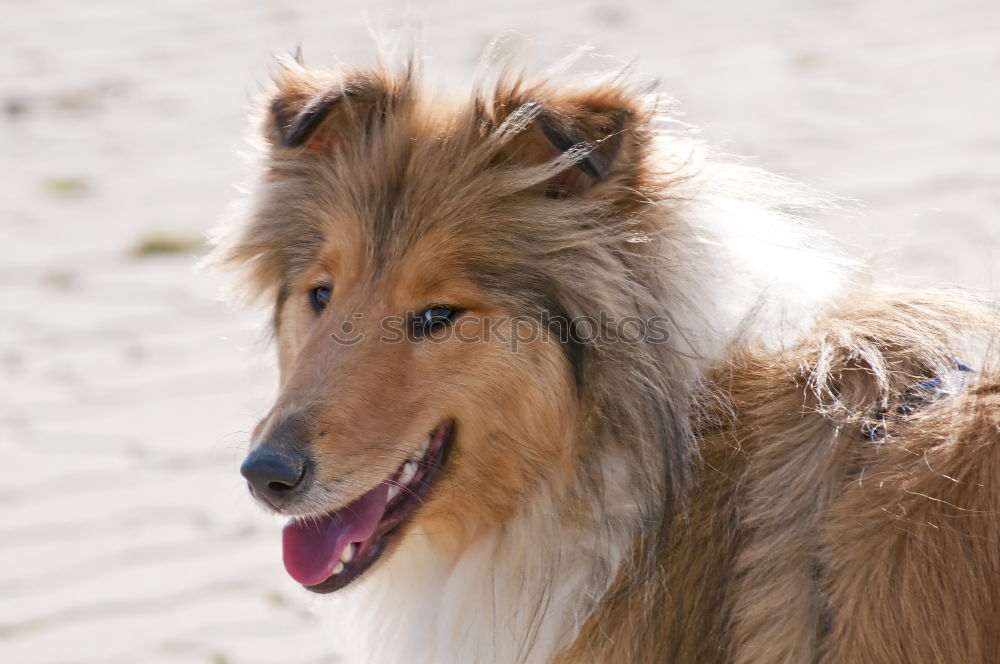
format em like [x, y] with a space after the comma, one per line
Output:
[316, 111]
[600, 133]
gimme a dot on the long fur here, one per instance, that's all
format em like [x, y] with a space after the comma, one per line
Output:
[712, 498]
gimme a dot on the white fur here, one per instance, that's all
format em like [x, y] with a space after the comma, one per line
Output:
[518, 595]
[752, 274]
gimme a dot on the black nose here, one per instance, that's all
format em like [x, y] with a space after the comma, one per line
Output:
[277, 474]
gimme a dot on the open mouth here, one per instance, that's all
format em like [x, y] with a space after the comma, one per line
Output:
[327, 552]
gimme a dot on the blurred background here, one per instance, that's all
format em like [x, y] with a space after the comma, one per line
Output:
[128, 388]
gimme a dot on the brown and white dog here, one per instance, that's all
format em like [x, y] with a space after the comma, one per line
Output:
[556, 387]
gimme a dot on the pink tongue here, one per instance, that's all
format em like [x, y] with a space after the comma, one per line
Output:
[312, 547]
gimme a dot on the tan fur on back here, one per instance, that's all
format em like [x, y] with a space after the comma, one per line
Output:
[805, 541]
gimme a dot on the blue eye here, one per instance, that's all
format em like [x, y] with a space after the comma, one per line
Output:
[319, 297]
[433, 319]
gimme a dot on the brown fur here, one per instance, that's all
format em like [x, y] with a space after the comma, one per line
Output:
[804, 541]
[493, 237]
[771, 529]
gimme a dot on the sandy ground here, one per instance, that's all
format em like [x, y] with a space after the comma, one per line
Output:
[128, 389]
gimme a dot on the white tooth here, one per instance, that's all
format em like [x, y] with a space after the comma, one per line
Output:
[393, 492]
[425, 445]
[339, 568]
[408, 472]
[348, 554]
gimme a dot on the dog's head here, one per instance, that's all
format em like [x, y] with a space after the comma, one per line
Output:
[429, 263]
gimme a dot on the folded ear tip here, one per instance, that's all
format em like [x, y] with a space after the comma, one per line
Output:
[605, 140]
[304, 100]
[296, 128]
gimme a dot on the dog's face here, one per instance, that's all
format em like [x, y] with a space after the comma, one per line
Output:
[413, 251]
[391, 389]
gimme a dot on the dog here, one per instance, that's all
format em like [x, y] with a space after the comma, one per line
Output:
[558, 385]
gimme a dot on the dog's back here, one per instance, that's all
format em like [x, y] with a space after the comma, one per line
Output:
[846, 506]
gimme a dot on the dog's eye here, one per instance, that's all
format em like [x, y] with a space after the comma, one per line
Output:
[433, 319]
[319, 297]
